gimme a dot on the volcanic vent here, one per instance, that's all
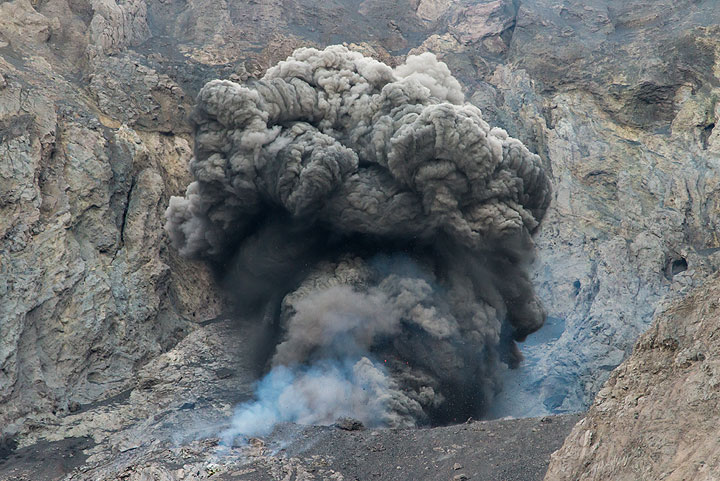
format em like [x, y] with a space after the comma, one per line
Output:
[376, 226]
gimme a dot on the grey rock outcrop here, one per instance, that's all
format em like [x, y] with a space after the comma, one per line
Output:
[622, 104]
[115, 26]
[660, 404]
[635, 161]
[89, 290]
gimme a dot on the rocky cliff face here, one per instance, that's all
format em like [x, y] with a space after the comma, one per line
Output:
[619, 99]
[627, 121]
[622, 102]
[89, 290]
[659, 405]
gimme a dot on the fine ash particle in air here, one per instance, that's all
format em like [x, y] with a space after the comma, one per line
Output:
[376, 227]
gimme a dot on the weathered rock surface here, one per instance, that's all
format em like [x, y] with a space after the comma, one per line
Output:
[618, 98]
[179, 396]
[89, 290]
[622, 104]
[661, 404]
[635, 159]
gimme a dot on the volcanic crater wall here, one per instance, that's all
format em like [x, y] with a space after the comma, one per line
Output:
[94, 140]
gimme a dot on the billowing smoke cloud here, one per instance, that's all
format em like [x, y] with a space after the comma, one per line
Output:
[376, 225]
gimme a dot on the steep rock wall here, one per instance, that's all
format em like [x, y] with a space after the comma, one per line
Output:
[656, 418]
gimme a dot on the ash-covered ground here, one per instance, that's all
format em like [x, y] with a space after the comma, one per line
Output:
[507, 450]
[166, 428]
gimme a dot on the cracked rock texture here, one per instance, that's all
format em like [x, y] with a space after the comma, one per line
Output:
[620, 99]
[660, 405]
[90, 292]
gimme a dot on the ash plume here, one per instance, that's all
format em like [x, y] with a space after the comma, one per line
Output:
[376, 225]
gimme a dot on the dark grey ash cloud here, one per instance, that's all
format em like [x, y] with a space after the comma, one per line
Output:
[379, 223]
